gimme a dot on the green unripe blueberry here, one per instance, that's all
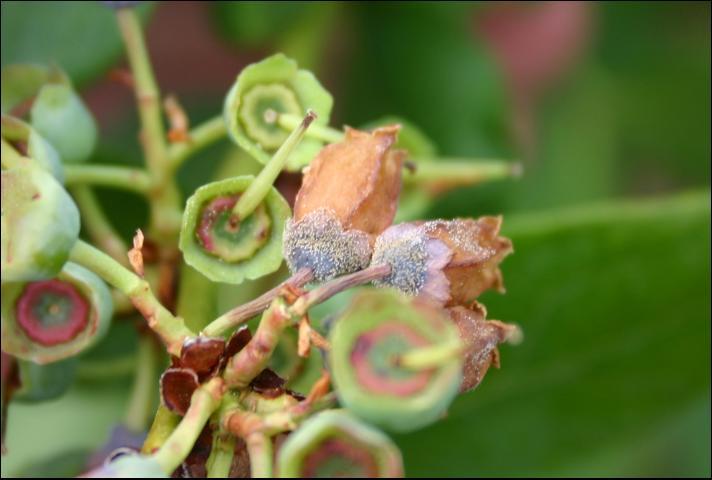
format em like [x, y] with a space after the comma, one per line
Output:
[335, 444]
[50, 320]
[44, 382]
[60, 116]
[275, 84]
[367, 340]
[227, 249]
[40, 224]
[23, 137]
[129, 466]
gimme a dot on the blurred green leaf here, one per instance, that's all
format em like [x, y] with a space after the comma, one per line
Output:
[62, 32]
[420, 61]
[614, 301]
[79, 421]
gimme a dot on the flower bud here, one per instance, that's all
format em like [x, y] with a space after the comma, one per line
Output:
[367, 341]
[60, 116]
[40, 224]
[274, 85]
[29, 143]
[49, 320]
[449, 262]
[349, 195]
[481, 338]
[335, 444]
[231, 251]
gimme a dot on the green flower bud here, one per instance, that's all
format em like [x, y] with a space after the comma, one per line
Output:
[335, 444]
[368, 342]
[224, 248]
[60, 116]
[49, 320]
[40, 224]
[29, 143]
[274, 85]
[44, 382]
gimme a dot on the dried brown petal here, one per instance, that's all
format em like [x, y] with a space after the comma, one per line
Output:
[177, 387]
[202, 354]
[481, 338]
[268, 384]
[477, 252]
[358, 180]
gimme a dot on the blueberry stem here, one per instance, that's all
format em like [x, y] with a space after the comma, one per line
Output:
[239, 315]
[289, 121]
[176, 448]
[453, 172]
[261, 185]
[432, 356]
[165, 211]
[123, 178]
[221, 454]
[199, 137]
[170, 329]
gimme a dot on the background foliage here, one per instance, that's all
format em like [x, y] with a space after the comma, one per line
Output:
[611, 221]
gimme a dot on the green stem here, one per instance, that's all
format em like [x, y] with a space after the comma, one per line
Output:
[259, 447]
[177, 447]
[289, 121]
[459, 172]
[170, 329]
[432, 356]
[199, 137]
[140, 406]
[261, 185]
[98, 226]
[123, 178]
[327, 290]
[220, 459]
[239, 315]
[164, 423]
[164, 195]
[242, 368]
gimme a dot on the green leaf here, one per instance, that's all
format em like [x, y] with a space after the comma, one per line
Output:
[61, 33]
[614, 302]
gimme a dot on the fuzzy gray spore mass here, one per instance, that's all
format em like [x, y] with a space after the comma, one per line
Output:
[404, 248]
[319, 242]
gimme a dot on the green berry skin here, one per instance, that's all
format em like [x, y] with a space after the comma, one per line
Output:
[40, 224]
[274, 83]
[38, 149]
[422, 397]
[40, 383]
[292, 459]
[60, 116]
[92, 289]
[264, 261]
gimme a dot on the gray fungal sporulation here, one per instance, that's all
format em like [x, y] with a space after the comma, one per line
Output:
[319, 242]
[403, 247]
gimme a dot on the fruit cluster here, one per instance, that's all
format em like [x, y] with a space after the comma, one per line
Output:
[394, 358]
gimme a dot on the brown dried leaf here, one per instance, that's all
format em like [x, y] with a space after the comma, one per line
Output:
[135, 255]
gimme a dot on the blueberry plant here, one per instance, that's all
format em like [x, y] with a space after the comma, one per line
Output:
[393, 359]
